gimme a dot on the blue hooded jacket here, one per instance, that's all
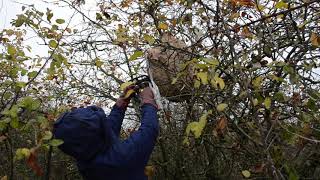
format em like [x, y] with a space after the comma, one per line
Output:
[93, 140]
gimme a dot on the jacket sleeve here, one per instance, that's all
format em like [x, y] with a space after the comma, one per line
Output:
[115, 119]
[135, 151]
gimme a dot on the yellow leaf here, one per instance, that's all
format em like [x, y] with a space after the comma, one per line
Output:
[212, 62]
[281, 5]
[149, 39]
[218, 82]
[174, 80]
[203, 76]
[315, 39]
[193, 127]
[197, 127]
[129, 93]
[98, 63]
[186, 141]
[149, 171]
[257, 82]
[222, 107]
[267, 103]
[246, 173]
[4, 178]
[22, 153]
[123, 86]
[163, 26]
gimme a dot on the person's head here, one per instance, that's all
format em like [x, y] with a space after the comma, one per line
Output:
[84, 132]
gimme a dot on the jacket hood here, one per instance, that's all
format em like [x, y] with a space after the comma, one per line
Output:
[84, 132]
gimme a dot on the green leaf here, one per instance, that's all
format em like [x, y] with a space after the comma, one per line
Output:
[267, 103]
[13, 112]
[255, 102]
[49, 15]
[20, 84]
[203, 76]
[212, 62]
[149, 39]
[11, 50]
[197, 84]
[53, 43]
[47, 135]
[29, 103]
[135, 55]
[3, 125]
[14, 123]
[32, 74]
[99, 17]
[311, 104]
[222, 107]
[21, 19]
[246, 173]
[257, 82]
[279, 96]
[56, 142]
[60, 21]
[24, 72]
[293, 175]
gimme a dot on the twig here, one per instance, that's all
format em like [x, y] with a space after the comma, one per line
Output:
[281, 12]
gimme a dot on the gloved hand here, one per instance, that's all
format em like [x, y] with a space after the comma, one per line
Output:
[124, 100]
[147, 97]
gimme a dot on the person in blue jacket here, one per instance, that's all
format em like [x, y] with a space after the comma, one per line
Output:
[92, 138]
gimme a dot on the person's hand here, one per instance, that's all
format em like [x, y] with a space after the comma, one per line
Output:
[147, 97]
[124, 99]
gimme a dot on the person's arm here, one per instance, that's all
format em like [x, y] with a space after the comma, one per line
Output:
[135, 151]
[117, 113]
[115, 118]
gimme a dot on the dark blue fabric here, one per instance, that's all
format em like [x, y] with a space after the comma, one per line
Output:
[102, 155]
